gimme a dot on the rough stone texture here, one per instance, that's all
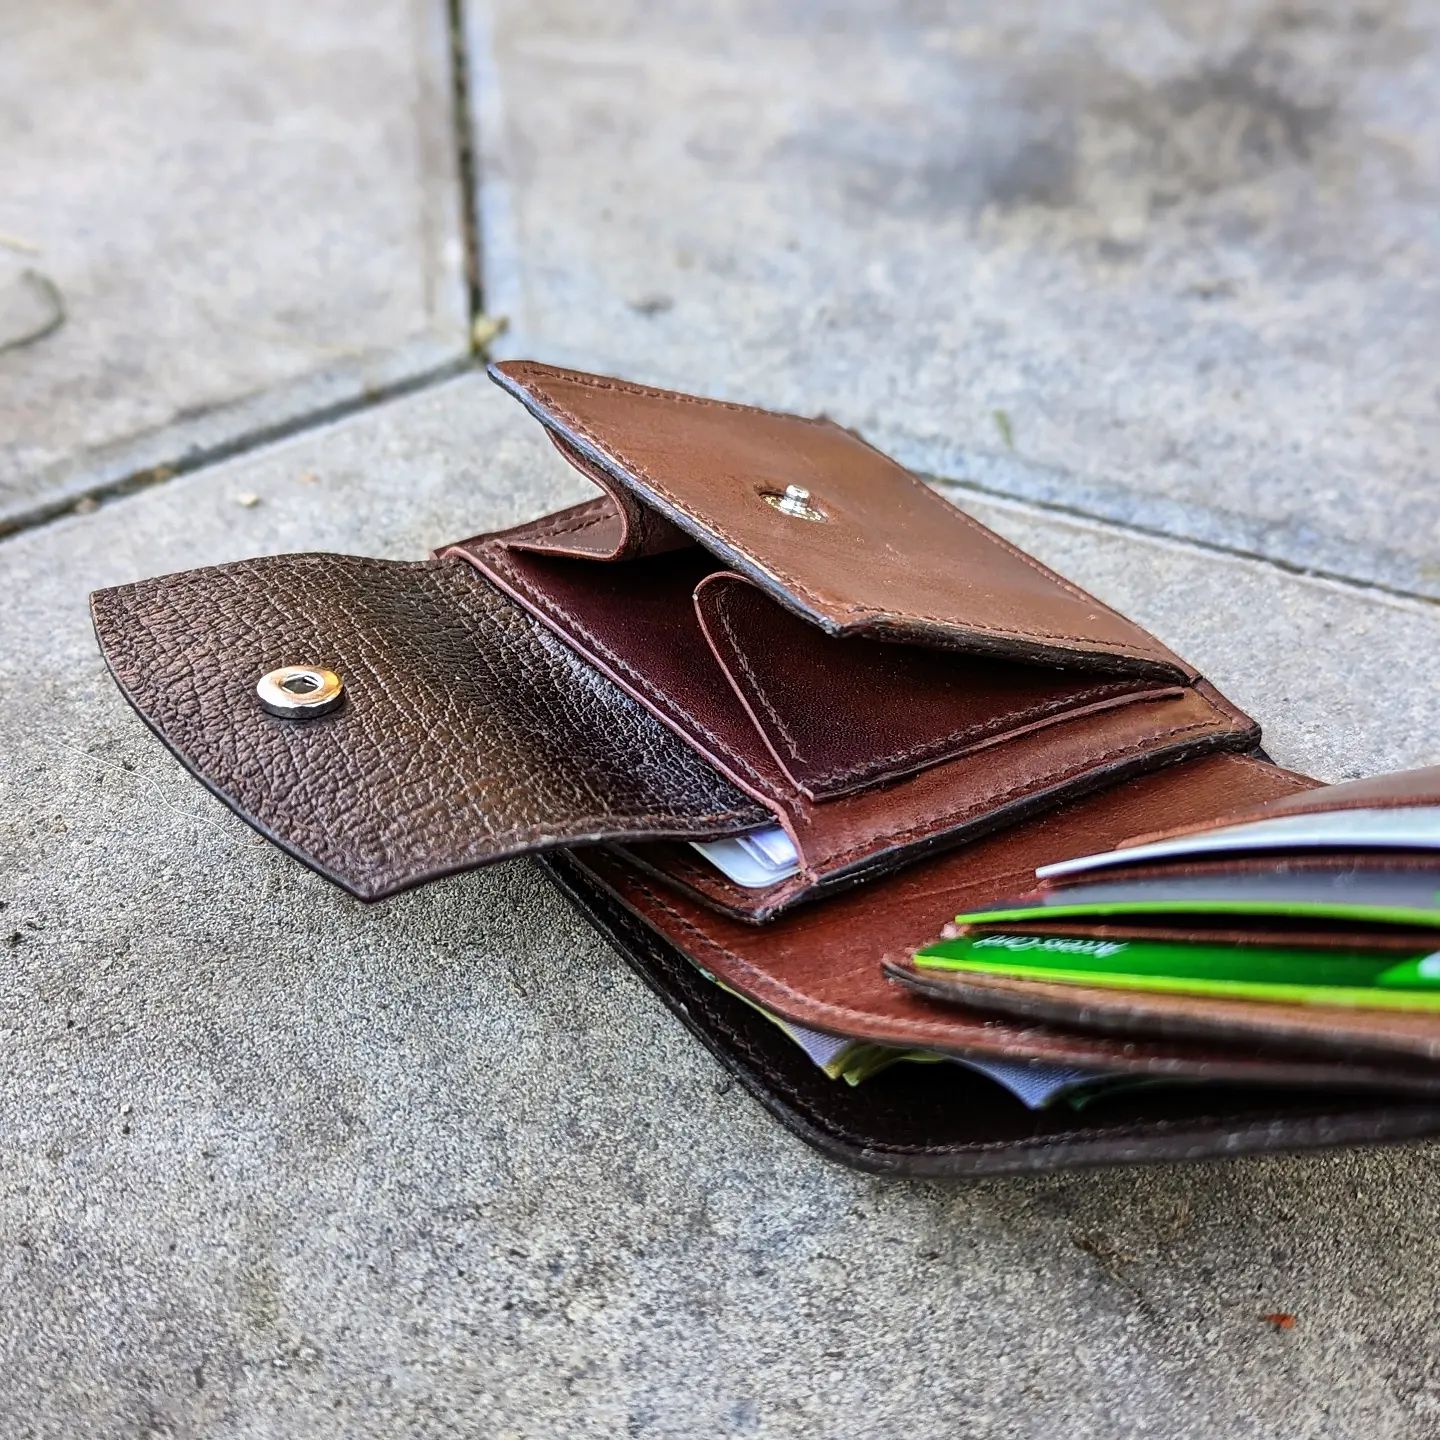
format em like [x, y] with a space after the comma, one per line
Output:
[241, 215]
[1166, 262]
[277, 1164]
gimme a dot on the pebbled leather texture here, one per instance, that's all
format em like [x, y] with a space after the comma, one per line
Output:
[941, 1121]
[467, 732]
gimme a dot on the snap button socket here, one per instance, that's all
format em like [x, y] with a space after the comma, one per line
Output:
[794, 501]
[300, 692]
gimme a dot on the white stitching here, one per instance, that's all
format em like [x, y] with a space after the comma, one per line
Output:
[982, 730]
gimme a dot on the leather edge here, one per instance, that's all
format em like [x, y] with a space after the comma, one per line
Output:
[648, 956]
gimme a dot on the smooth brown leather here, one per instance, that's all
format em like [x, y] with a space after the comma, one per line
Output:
[767, 662]
[891, 557]
[1394, 790]
[751, 643]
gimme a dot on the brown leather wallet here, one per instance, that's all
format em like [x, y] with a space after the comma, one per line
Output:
[759, 620]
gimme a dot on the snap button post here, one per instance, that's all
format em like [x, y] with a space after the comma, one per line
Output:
[300, 692]
[794, 501]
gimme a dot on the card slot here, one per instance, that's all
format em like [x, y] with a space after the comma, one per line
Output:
[1396, 789]
[852, 839]
[941, 1120]
[1223, 930]
[1240, 863]
[1346, 1036]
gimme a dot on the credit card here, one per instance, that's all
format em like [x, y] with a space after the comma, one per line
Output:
[1319, 977]
[755, 860]
[1404, 828]
[1408, 897]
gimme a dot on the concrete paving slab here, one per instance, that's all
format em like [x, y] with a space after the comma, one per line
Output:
[1167, 263]
[278, 1164]
[238, 217]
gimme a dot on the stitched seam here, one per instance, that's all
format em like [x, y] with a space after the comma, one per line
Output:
[580, 427]
[575, 512]
[664, 701]
[629, 387]
[573, 529]
[1155, 650]
[884, 845]
[982, 730]
[722, 613]
[991, 802]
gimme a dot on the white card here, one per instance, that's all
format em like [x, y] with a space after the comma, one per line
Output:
[1408, 827]
[756, 860]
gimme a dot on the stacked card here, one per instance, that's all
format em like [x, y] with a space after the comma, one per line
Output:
[1312, 923]
[1307, 930]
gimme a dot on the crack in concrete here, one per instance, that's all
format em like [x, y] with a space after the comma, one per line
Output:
[152, 476]
[1154, 532]
[463, 118]
[45, 512]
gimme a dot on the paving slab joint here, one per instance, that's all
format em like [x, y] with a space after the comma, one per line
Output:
[479, 329]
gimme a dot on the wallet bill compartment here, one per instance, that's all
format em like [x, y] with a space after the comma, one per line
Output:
[920, 747]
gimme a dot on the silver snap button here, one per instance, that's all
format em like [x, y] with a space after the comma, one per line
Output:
[300, 692]
[794, 501]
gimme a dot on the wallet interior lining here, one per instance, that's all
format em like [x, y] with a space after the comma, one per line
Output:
[637, 621]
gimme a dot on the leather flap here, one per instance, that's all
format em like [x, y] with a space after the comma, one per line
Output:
[466, 733]
[874, 553]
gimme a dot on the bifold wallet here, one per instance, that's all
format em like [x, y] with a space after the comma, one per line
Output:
[758, 620]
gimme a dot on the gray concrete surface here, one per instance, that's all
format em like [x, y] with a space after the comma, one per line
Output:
[277, 1164]
[239, 216]
[1169, 263]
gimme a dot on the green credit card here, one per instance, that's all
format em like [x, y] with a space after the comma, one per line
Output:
[1410, 897]
[1315, 977]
